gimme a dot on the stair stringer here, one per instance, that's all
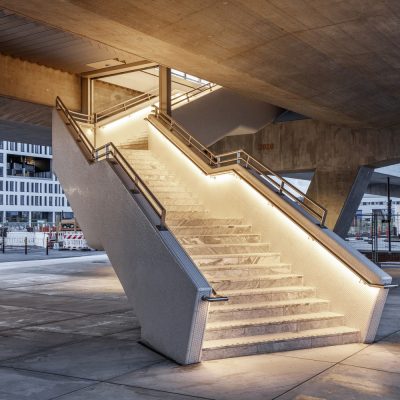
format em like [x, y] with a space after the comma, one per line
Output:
[162, 284]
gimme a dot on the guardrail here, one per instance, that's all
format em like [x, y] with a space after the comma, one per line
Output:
[109, 151]
[194, 92]
[244, 159]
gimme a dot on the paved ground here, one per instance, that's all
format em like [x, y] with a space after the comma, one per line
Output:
[67, 332]
[39, 253]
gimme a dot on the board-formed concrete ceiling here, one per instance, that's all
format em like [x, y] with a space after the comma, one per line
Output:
[37, 42]
[334, 60]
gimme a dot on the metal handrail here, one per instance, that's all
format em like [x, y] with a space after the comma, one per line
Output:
[186, 96]
[244, 159]
[108, 151]
[125, 105]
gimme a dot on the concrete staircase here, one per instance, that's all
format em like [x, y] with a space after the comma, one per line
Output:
[269, 308]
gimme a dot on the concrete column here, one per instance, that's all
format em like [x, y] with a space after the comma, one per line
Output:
[30, 218]
[87, 95]
[340, 191]
[165, 89]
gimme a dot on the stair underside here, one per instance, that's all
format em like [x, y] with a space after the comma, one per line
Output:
[270, 309]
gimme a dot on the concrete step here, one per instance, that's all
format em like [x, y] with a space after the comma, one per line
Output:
[205, 230]
[175, 195]
[256, 282]
[263, 326]
[185, 214]
[231, 312]
[244, 270]
[181, 201]
[244, 258]
[178, 207]
[208, 222]
[262, 295]
[270, 343]
[174, 189]
[220, 239]
[230, 248]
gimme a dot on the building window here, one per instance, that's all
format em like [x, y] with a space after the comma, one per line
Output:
[21, 200]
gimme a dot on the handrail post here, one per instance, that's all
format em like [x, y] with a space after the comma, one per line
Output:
[238, 157]
[107, 150]
[281, 187]
[218, 161]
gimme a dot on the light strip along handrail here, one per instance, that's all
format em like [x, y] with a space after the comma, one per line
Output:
[245, 160]
[125, 105]
[195, 91]
[107, 150]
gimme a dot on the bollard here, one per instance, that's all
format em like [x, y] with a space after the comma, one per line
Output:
[47, 246]
[26, 245]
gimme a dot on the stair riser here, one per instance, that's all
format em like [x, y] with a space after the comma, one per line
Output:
[170, 189]
[202, 230]
[208, 222]
[265, 329]
[244, 272]
[180, 202]
[236, 259]
[257, 283]
[220, 315]
[157, 179]
[184, 208]
[226, 249]
[239, 239]
[263, 297]
[185, 214]
[285, 345]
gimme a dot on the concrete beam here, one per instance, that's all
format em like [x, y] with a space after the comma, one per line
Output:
[119, 69]
[35, 83]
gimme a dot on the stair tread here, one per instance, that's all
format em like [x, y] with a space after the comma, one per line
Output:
[242, 266]
[267, 304]
[195, 245]
[276, 289]
[263, 253]
[269, 277]
[271, 320]
[275, 337]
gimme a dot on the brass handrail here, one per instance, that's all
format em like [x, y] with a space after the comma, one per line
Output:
[110, 151]
[248, 162]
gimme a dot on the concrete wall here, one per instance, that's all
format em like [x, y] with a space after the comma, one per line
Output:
[27, 81]
[334, 152]
[107, 94]
[223, 112]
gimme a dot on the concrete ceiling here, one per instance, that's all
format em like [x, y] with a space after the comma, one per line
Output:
[332, 60]
[25, 122]
[36, 42]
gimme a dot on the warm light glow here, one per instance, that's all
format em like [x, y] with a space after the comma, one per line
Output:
[137, 115]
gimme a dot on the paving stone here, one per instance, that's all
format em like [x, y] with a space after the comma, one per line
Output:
[346, 382]
[107, 391]
[255, 377]
[26, 385]
[96, 358]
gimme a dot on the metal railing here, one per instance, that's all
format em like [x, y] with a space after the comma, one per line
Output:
[242, 158]
[125, 105]
[109, 151]
[185, 97]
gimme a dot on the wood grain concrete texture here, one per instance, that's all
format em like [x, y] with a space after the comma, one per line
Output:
[68, 345]
[331, 60]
